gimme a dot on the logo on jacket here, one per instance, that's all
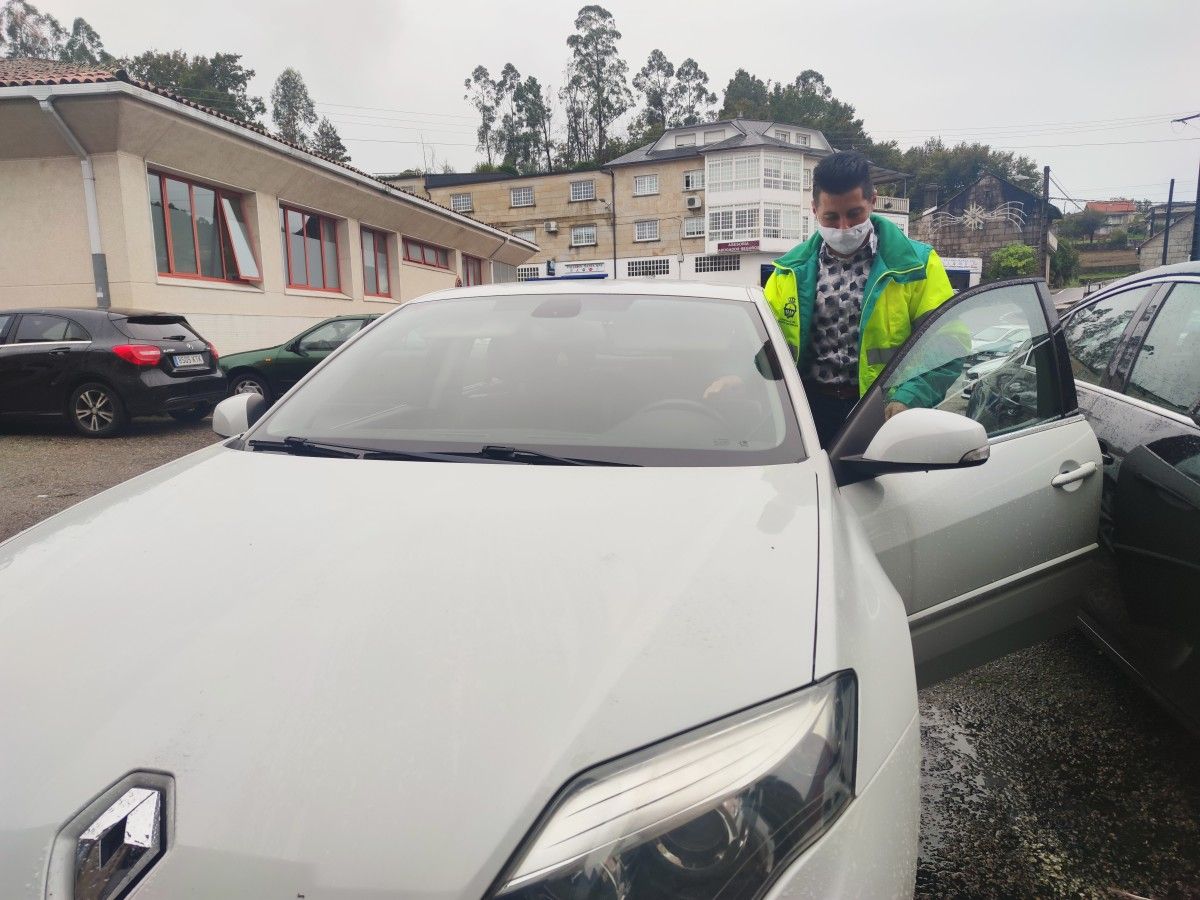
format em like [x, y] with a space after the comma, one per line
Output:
[789, 310]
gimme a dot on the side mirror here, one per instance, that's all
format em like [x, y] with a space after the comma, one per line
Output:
[235, 414]
[918, 440]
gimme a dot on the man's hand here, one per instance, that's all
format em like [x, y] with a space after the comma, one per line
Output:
[893, 407]
[726, 383]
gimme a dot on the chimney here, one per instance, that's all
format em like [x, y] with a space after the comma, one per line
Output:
[931, 192]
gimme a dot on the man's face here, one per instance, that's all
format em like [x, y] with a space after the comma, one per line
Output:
[843, 210]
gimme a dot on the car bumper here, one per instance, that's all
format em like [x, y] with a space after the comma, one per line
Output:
[157, 392]
[871, 850]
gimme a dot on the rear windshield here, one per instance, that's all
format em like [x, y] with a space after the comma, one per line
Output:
[614, 378]
[156, 328]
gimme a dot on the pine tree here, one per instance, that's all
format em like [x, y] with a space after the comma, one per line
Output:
[326, 142]
[292, 109]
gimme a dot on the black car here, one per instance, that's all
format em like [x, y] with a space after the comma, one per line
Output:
[100, 367]
[1135, 352]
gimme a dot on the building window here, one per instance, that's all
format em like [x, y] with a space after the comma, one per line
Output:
[461, 203]
[693, 226]
[783, 172]
[659, 265]
[199, 231]
[784, 222]
[685, 140]
[722, 262]
[583, 235]
[583, 190]
[310, 247]
[802, 139]
[525, 234]
[528, 273]
[375, 263]
[644, 185]
[426, 254]
[733, 223]
[713, 137]
[645, 231]
[808, 179]
[693, 180]
[734, 172]
[472, 270]
[785, 136]
[520, 196]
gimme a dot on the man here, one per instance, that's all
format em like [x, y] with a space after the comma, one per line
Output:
[850, 295]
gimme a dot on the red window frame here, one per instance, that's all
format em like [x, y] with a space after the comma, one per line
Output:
[380, 246]
[472, 270]
[414, 252]
[218, 211]
[284, 209]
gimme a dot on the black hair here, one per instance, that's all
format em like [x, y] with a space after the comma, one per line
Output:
[842, 172]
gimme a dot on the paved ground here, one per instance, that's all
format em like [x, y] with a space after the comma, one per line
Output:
[1046, 773]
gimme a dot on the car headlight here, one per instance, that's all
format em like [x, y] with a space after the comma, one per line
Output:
[715, 813]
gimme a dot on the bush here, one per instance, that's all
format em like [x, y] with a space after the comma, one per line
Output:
[1064, 263]
[1013, 261]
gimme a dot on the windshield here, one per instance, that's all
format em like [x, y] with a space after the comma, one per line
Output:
[993, 333]
[602, 377]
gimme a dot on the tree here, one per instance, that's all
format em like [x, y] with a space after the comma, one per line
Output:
[292, 109]
[1089, 222]
[481, 92]
[746, 97]
[654, 81]
[83, 45]
[533, 104]
[1013, 261]
[328, 143]
[951, 169]
[218, 81]
[691, 100]
[598, 73]
[26, 32]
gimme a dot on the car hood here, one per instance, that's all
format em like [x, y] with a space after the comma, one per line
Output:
[369, 677]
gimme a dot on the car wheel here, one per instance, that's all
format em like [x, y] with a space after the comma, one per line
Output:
[191, 414]
[250, 383]
[95, 410]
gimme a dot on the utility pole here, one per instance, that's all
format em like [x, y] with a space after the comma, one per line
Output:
[1043, 238]
[1167, 229]
[1195, 254]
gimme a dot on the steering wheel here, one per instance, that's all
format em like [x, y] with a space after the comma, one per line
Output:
[683, 405]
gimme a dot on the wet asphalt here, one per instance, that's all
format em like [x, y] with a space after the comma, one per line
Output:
[1047, 773]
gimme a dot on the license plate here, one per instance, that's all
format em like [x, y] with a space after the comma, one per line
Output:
[188, 359]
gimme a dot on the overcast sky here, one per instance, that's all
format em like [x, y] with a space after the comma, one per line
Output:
[1034, 77]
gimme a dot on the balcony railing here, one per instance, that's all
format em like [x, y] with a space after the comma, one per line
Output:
[891, 204]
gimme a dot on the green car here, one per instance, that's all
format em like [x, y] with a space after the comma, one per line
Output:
[273, 370]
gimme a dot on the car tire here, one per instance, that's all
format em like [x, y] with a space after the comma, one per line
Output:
[250, 383]
[96, 411]
[191, 414]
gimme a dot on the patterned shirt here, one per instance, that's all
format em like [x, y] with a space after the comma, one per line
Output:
[836, 311]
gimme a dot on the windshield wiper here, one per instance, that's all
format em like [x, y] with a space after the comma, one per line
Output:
[536, 457]
[298, 446]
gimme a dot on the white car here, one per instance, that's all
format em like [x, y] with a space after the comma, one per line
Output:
[427, 655]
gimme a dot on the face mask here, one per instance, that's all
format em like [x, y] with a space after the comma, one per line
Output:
[845, 240]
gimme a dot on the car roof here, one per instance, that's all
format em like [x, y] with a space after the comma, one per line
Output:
[698, 289]
[1185, 268]
[87, 311]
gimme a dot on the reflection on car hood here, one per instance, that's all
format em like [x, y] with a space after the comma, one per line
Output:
[368, 678]
[243, 356]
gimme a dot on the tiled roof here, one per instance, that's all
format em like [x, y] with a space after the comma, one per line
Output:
[1113, 206]
[31, 72]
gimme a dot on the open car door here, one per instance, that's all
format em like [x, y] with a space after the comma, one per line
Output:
[993, 557]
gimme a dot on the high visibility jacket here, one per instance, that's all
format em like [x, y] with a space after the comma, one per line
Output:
[906, 281]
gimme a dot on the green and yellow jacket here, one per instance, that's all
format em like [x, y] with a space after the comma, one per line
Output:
[907, 281]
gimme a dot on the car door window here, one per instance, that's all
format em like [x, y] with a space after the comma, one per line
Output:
[1022, 388]
[1093, 332]
[37, 328]
[1167, 370]
[76, 332]
[329, 336]
[4, 322]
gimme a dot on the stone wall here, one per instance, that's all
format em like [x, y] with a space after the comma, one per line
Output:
[1150, 252]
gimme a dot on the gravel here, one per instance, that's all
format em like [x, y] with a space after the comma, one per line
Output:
[1046, 773]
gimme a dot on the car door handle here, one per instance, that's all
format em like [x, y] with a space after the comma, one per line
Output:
[1087, 470]
[61, 351]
